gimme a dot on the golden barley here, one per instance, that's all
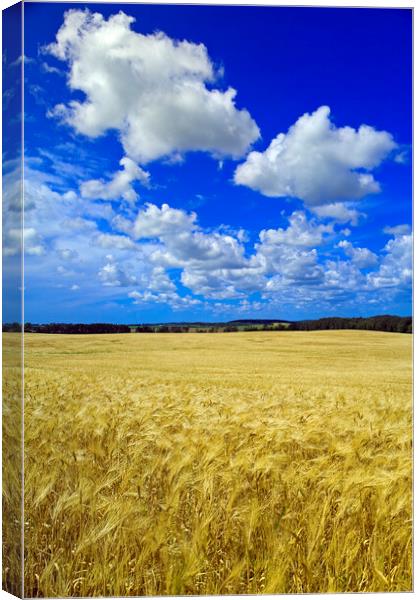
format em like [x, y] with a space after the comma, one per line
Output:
[256, 462]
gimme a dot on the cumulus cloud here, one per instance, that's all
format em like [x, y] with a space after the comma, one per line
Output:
[213, 263]
[289, 256]
[152, 89]
[173, 299]
[339, 212]
[160, 289]
[113, 275]
[79, 224]
[361, 257]
[184, 244]
[224, 284]
[213, 250]
[120, 186]
[341, 276]
[149, 254]
[318, 162]
[301, 232]
[216, 265]
[26, 239]
[396, 266]
[288, 265]
[160, 281]
[63, 237]
[16, 239]
[112, 241]
[155, 222]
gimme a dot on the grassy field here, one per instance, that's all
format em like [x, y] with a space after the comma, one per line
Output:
[12, 463]
[233, 463]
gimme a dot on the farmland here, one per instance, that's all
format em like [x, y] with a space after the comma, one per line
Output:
[253, 462]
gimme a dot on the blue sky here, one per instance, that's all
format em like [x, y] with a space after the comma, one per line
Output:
[209, 163]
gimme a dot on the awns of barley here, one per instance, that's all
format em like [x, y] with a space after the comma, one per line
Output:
[185, 464]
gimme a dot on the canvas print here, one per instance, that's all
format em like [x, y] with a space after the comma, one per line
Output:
[207, 299]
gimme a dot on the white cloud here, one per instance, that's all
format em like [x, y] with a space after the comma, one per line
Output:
[173, 299]
[46, 68]
[212, 263]
[339, 212]
[160, 289]
[341, 276]
[79, 224]
[210, 250]
[290, 255]
[154, 222]
[223, 284]
[402, 157]
[150, 88]
[16, 239]
[22, 58]
[184, 242]
[12, 208]
[112, 242]
[292, 265]
[215, 264]
[122, 223]
[396, 266]
[120, 186]
[12, 241]
[68, 254]
[397, 230]
[65, 229]
[361, 257]
[300, 232]
[280, 259]
[160, 281]
[113, 275]
[317, 162]
[32, 243]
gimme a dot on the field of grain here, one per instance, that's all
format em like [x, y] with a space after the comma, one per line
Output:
[12, 463]
[257, 462]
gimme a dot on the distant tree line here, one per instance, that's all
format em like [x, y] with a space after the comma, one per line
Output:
[12, 327]
[161, 329]
[380, 323]
[77, 328]
[389, 323]
[208, 328]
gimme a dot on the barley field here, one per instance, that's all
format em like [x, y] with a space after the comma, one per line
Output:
[257, 462]
[12, 463]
